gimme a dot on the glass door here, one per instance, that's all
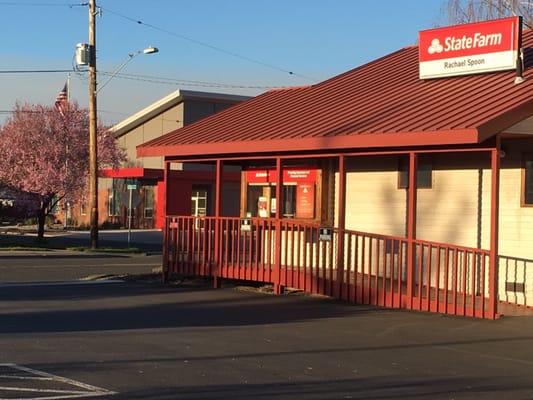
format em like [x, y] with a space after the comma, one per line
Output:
[198, 205]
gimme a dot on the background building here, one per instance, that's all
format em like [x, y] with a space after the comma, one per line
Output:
[179, 108]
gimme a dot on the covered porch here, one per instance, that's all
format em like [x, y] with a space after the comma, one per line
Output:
[318, 252]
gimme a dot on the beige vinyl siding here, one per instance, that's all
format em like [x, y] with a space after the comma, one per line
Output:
[373, 202]
[456, 210]
[516, 227]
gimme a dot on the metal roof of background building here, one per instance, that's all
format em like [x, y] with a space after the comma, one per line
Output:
[379, 104]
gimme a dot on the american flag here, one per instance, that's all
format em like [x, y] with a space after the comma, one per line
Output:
[62, 100]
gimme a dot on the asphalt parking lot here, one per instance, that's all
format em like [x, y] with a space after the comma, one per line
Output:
[50, 266]
[148, 341]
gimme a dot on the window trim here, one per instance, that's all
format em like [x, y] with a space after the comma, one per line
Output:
[527, 156]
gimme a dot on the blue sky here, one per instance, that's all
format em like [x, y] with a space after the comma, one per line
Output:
[317, 39]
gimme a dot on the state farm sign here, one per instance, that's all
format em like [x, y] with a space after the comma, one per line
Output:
[469, 49]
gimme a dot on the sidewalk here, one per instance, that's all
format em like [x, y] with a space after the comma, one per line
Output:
[147, 241]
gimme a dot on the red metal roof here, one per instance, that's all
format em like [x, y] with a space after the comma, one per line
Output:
[380, 104]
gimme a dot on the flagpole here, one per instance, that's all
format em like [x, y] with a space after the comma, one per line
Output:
[68, 88]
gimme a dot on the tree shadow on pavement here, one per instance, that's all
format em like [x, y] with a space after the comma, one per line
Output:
[386, 387]
[179, 315]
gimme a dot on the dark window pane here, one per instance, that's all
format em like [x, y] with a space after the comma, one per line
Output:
[403, 176]
[289, 201]
[423, 179]
[423, 176]
[528, 182]
[252, 198]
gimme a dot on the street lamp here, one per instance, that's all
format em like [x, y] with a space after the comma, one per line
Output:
[148, 50]
[90, 50]
[93, 92]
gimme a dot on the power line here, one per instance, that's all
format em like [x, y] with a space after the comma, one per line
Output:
[34, 71]
[112, 112]
[143, 78]
[163, 30]
[204, 44]
[54, 111]
[33, 4]
[184, 82]
[146, 78]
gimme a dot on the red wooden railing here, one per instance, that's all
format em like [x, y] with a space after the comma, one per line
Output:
[451, 279]
[515, 275]
[372, 268]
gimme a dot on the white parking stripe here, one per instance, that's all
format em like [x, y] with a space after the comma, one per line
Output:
[19, 389]
[35, 375]
[60, 283]
[34, 378]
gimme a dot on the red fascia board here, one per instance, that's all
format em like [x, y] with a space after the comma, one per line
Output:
[373, 140]
[148, 173]
[506, 120]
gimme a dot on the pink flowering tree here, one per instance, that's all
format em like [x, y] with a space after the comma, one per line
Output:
[44, 153]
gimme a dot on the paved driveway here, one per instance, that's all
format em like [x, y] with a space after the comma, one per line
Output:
[19, 266]
[154, 342]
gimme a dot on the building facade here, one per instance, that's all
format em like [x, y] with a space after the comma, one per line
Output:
[144, 176]
[374, 186]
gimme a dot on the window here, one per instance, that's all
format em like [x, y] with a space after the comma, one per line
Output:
[527, 180]
[252, 200]
[289, 201]
[424, 176]
[83, 210]
[300, 194]
[114, 203]
[148, 202]
[113, 208]
[199, 200]
[55, 205]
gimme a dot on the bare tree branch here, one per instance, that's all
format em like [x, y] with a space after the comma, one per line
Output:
[464, 11]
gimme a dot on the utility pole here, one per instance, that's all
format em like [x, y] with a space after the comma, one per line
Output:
[93, 155]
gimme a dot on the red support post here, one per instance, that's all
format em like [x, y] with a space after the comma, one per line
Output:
[278, 289]
[494, 227]
[341, 226]
[411, 225]
[218, 213]
[166, 226]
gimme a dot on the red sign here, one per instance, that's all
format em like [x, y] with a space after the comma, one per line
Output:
[289, 175]
[257, 176]
[299, 175]
[469, 48]
[305, 200]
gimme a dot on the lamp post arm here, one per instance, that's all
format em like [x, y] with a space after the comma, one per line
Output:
[118, 69]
